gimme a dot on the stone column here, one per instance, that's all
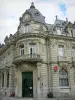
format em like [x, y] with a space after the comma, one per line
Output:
[38, 80]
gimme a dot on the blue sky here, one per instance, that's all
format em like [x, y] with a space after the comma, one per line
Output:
[63, 8]
[11, 10]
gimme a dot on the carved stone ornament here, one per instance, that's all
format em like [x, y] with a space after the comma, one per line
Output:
[63, 66]
[41, 28]
[6, 38]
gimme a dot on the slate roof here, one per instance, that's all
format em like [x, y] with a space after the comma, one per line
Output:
[36, 15]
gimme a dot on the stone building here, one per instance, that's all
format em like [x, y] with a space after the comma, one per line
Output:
[39, 58]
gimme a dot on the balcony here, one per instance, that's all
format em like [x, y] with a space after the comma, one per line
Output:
[62, 59]
[27, 58]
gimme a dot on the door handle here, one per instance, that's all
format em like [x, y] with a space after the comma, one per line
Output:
[30, 87]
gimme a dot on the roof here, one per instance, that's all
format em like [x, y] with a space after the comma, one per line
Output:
[36, 15]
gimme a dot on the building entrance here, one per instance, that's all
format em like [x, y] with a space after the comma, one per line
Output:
[27, 84]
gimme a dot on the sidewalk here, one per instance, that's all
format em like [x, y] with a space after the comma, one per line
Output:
[19, 98]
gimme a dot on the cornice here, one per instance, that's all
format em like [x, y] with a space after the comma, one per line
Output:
[30, 35]
[44, 35]
[61, 37]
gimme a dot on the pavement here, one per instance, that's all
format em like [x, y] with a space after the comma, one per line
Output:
[19, 98]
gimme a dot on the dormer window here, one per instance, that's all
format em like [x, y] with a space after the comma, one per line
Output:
[59, 31]
[27, 28]
[37, 14]
[27, 16]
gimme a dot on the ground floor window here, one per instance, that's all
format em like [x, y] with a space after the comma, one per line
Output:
[8, 79]
[63, 78]
[2, 79]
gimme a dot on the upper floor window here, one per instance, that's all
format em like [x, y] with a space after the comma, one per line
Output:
[72, 33]
[27, 16]
[27, 28]
[37, 14]
[32, 48]
[60, 50]
[73, 51]
[63, 78]
[22, 49]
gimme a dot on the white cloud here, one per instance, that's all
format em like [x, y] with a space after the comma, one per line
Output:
[11, 10]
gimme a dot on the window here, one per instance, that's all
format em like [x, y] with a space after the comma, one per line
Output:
[63, 78]
[27, 16]
[59, 31]
[60, 50]
[27, 28]
[72, 33]
[32, 49]
[74, 76]
[73, 51]
[37, 14]
[22, 49]
[2, 79]
[8, 79]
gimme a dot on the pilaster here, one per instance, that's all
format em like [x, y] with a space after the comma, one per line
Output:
[38, 79]
[12, 79]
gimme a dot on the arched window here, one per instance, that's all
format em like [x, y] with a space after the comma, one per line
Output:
[2, 79]
[63, 78]
[8, 79]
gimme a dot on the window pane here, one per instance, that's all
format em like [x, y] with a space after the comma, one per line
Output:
[7, 79]
[2, 79]
[27, 28]
[59, 31]
[61, 50]
[22, 49]
[63, 78]
[32, 49]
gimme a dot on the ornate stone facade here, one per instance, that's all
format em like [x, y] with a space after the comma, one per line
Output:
[38, 47]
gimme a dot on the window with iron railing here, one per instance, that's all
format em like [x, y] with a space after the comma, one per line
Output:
[22, 49]
[32, 49]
